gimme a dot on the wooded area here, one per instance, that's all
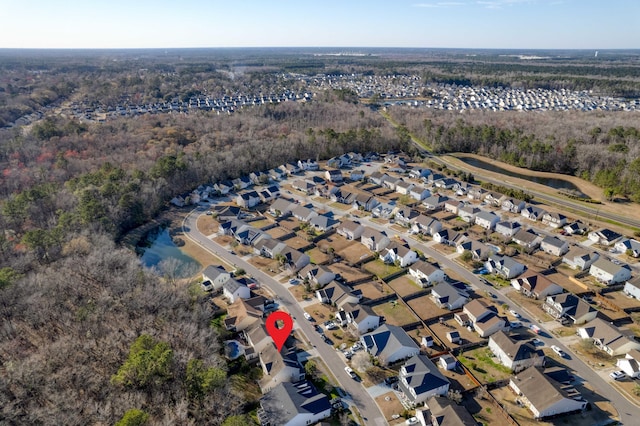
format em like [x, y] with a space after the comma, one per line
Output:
[87, 335]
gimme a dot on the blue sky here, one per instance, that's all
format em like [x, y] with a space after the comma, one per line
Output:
[523, 24]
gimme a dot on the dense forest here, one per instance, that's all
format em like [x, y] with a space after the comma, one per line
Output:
[600, 147]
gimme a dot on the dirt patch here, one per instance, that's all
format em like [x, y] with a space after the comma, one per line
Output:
[296, 242]
[335, 241]
[622, 301]
[266, 265]
[426, 309]
[390, 405]
[466, 336]
[373, 289]
[207, 224]
[404, 286]
[354, 253]
[349, 273]
[318, 257]
[278, 232]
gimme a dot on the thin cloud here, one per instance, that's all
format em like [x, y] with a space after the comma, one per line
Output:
[498, 4]
[440, 4]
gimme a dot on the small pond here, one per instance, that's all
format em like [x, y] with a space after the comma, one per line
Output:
[158, 246]
[551, 182]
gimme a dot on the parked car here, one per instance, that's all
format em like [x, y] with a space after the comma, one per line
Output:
[350, 372]
[515, 324]
[558, 351]
[537, 342]
[391, 380]
[318, 328]
[330, 325]
[514, 313]
[293, 281]
[617, 375]
[308, 316]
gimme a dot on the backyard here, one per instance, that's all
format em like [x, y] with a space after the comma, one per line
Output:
[380, 269]
[480, 362]
[372, 290]
[426, 309]
[395, 313]
[404, 286]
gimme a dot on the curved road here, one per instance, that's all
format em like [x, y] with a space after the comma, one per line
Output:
[358, 395]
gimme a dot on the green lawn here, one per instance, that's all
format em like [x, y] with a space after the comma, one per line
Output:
[483, 366]
[380, 269]
[395, 313]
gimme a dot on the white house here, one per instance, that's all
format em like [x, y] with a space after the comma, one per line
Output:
[217, 275]
[425, 225]
[507, 228]
[395, 252]
[580, 258]
[419, 193]
[317, 274]
[373, 239]
[628, 245]
[554, 220]
[248, 199]
[532, 213]
[403, 187]
[468, 213]
[435, 202]
[420, 379]
[389, 343]
[575, 228]
[512, 205]
[449, 297]
[608, 272]
[527, 239]
[361, 317]
[632, 288]
[536, 286]
[233, 290]
[515, 354]
[554, 245]
[630, 364]
[487, 220]
[504, 266]
[604, 236]
[350, 230]
[543, 396]
[426, 274]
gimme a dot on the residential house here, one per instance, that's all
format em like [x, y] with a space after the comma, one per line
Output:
[383, 210]
[477, 193]
[406, 215]
[580, 258]
[317, 275]
[269, 247]
[333, 175]
[554, 220]
[478, 250]
[468, 213]
[445, 183]
[627, 245]
[441, 411]
[426, 274]
[281, 207]
[293, 259]
[241, 183]
[223, 187]
[389, 343]
[569, 307]
[527, 239]
[452, 205]
[243, 315]
[338, 294]
[435, 202]
[303, 185]
[532, 213]
[403, 187]
[258, 339]
[290, 169]
[248, 199]
[630, 364]
[356, 175]
[308, 165]
[493, 198]
[279, 367]
[543, 396]
[486, 219]
[395, 252]
[234, 290]
[449, 237]
[276, 174]
[476, 309]
[291, 404]
[216, 275]
[607, 337]
[512, 205]
[389, 181]
[323, 223]
[461, 188]
[373, 239]
[425, 225]
[554, 245]
[516, 355]
[361, 317]
[489, 324]
[364, 201]
[508, 228]
[350, 230]
[303, 214]
[377, 177]
[632, 288]
[450, 297]
[604, 236]
[420, 379]
[575, 228]
[419, 172]
[419, 193]
[609, 273]
[224, 213]
[259, 178]
[536, 285]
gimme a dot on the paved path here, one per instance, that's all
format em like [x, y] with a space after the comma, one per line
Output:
[357, 394]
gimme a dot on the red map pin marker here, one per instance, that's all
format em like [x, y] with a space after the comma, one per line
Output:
[279, 335]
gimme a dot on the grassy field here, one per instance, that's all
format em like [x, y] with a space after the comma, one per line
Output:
[380, 269]
[395, 313]
[482, 365]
